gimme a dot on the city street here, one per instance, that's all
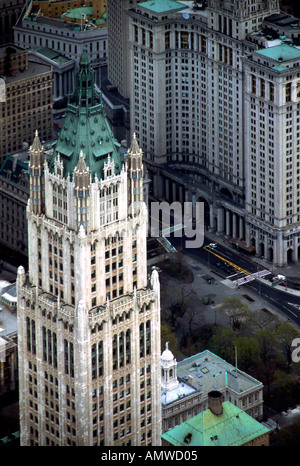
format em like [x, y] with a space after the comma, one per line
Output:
[227, 263]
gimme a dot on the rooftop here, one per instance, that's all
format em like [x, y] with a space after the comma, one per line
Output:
[34, 68]
[52, 55]
[170, 396]
[8, 320]
[162, 6]
[231, 428]
[206, 371]
[13, 168]
[280, 53]
[283, 20]
[10, 48]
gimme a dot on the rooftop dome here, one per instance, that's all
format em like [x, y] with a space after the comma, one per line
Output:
[167, 355]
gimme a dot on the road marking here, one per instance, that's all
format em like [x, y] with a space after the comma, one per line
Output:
[236, 267]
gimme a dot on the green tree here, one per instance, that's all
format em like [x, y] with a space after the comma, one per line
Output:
[269, 354]
[285, 390]
[168, 336]
[222, 343]
[268, 343]
[247, 352]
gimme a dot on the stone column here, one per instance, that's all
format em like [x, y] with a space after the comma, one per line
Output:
[211, 219]
[60, 89]
[234, 225]
[167, 189]
[220, 220]
[227, 222]
[181, 194]
[173, 191]
[280, 250]
[241, 227]
[157, 185]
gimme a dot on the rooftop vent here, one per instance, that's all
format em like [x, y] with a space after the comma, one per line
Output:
[215, 402]
[188, 438]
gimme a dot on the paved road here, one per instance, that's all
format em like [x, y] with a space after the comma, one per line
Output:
[280, 299]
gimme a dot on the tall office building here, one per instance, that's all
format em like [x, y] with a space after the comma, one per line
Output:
[88, 315]
[60, 31]
[9, 14]
[191, 107]
[272, 151]
[117, 35]
[27, 88]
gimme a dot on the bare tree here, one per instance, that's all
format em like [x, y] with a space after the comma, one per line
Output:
[235, 310]
[260, 319]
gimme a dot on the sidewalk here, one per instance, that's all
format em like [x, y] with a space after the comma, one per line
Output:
[218, 290]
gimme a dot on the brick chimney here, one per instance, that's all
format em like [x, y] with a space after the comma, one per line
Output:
[215, 402]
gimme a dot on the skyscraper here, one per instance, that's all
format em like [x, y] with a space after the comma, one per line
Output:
[118, 35]
[28, 86]
[202, 125]
[88, 315]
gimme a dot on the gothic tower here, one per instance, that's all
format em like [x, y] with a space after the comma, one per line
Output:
[88, 315]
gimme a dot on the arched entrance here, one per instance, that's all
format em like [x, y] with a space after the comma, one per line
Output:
[261, 249]
[270, 254]
[289, 255]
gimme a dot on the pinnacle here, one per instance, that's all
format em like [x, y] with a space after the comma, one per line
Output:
[134, 147]
[84, 59]
[36, 145]
[81, 166]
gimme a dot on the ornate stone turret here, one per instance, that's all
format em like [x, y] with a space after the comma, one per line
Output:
[168, 364]
[135, 175]
[36, 176]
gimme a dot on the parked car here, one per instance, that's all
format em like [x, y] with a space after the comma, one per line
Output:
[207, 301]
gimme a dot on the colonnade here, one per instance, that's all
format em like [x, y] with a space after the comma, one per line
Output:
[63, 83]
[218, 218]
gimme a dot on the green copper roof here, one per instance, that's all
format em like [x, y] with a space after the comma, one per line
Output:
[86, 128]
[233, 427]
[280, 53]
[52, 54]
[161, 6]
[77, 13]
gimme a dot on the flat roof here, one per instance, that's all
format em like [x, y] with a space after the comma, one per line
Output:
[13, 49]
[161, 6]
[52, 54]
[280, 53]
[8, 319]
[206, 371]
[34, 69]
